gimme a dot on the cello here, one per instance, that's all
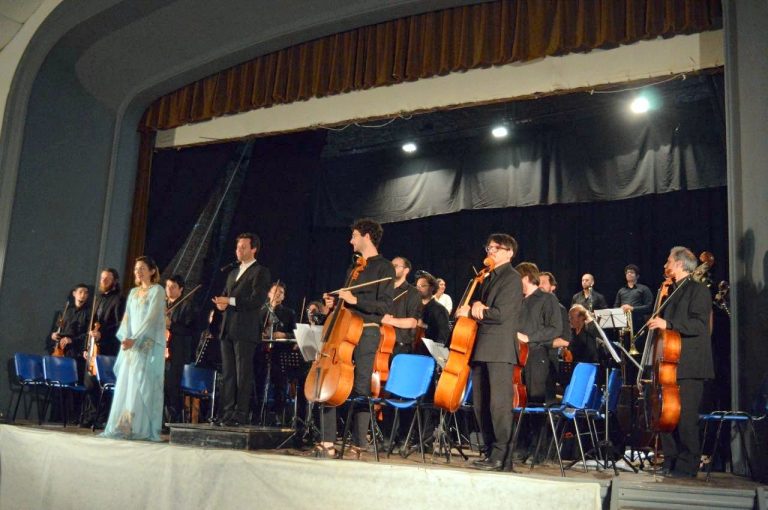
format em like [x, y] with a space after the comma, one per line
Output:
[453, 380]
[331, 377]
[662, 353]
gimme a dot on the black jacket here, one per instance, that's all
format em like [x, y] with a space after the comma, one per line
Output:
[596, 301]
[374, 301]
[110, 308]
[687, 312]
[243, 322]
[496, 339]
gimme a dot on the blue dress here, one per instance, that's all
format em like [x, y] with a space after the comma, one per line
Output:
[137, 406]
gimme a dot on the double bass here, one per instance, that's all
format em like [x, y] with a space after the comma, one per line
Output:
[331, 377]
[453, 380]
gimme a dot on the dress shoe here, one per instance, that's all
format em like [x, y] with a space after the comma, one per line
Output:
[488, 465]
[232, 422]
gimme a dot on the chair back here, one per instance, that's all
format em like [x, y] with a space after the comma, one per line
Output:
[614, 389]
[466, 399]
[105, 369]
[60, 370]
[581, 388]
[29, 367]
[197, 379]
[410, 375]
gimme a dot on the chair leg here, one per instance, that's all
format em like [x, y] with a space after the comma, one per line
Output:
[347, 425]
[395, 423]
[715, 448]
[515, 434]
[16, 408]
[373, 429]
[581, 447]
[408, 436]
[557, 446]
[421, 433]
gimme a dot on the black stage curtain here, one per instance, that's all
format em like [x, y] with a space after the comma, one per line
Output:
[601, 157]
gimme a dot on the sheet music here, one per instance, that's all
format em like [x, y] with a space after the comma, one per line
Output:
[611, 318]
[309, 339]
[437, 350]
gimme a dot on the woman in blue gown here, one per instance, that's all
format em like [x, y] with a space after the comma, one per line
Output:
[137, 406]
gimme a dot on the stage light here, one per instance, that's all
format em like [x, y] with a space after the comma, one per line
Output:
[640, 105]
[409, 147]
[500, 132]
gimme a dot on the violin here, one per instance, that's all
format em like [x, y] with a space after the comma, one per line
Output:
[58, 350]
[331, 377]
[450, 387]
[92, 350]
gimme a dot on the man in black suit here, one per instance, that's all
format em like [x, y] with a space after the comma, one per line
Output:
[687, 312]
[497, 314]
[180, 326]
[242, 304]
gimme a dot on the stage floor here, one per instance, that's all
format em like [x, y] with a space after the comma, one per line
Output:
[35, 459]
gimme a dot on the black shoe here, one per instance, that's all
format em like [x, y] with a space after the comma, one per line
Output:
[681, 474]
[232, 422]
[488, 465]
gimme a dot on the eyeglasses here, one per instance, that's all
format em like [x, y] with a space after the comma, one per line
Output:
[494, 248]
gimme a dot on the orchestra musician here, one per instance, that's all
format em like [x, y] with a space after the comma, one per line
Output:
[443, 298]
[179, 325]
[280, 320]
[687, 312]
[72, 329]
[548, 284]
[109, 307]
[497, 313]
[243, 316]
[541, 328]
[584, 342]
[434, 316]
[371, 303]
[589, 298]
[634, 296]
[406, 307]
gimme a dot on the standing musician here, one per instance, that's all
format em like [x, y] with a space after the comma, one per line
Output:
[280, 320]
[406, 307]
[687, 312]
[548, 284]
[497, 313]
[434, 316]
[634, 297]
[541, 328]
[72, 328]
[589, 298]
[179, 325]
[371, 303]
[242, 305]
[109, 307]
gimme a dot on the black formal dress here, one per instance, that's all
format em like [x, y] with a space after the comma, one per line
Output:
[493, 357]
[240, 334]
[687, 312]
[181, 334]
[542, 321]
[373, 302]
[595, 301]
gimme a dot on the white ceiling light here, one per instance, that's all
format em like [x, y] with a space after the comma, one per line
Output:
[409, 147]
[640, 105]
[500, 132]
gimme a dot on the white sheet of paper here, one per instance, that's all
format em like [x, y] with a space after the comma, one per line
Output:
[611, 318]
[438, 351]
[309, 339]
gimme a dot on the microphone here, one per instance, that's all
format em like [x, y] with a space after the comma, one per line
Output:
[231, 265]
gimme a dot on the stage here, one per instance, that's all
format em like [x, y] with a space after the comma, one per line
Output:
[51, 467]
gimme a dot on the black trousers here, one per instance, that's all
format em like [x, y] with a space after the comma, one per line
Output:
[180, 355]
[236, 377]
[538, 376]
[492, 397]
[682, 446]
[363, 356]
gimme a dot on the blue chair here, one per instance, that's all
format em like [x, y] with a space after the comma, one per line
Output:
[598, 410]
[450, 420]
[409, 378]
[60, 375]
[105, 375]
[739, 421]
[29, 374]
[576, 398]
[197, 382]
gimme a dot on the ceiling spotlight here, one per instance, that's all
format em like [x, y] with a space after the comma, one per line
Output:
[500, 132]
[640, 105]
[409, 147]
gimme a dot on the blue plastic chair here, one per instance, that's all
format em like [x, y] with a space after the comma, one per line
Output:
[60, 374]
[739, 420]
[409, 378]
[197, 382]
[597, 410]
[29, 374]
[105, 375]
[576, 398]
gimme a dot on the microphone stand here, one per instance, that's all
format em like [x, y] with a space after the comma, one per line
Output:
[270, 321]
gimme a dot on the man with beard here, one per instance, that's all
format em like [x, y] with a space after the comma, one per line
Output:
[406, 307]
[589, 298]
[434, 316]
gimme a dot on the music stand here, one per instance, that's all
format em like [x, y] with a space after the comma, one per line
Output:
[611, 318]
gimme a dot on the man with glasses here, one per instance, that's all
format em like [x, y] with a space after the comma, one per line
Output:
[497, 312]
[406, 307]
